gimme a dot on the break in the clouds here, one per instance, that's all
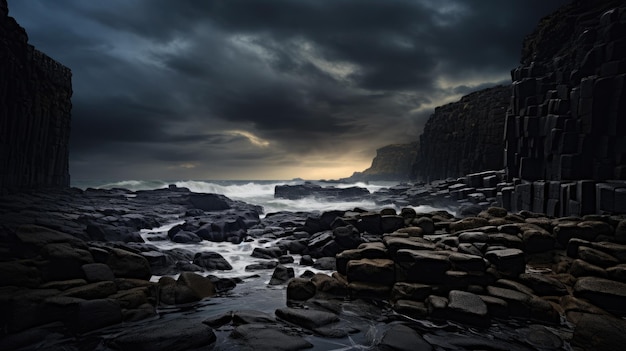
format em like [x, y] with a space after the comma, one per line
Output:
[265, 89]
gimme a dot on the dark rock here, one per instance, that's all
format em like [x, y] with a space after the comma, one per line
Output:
[198, 285]
[208, 202]
[392, 162]
[420, 266]
[543, 285]
[598, 332]
[410, 291]
[300, 289]
[580, 268]
[267, 252]
[251, 317]
[330, 285]
[96, 272]
[467, 308]
[400, 337]
[264, 337]
[347, 237]
[596, 257]
[309, 319]
[541, 337]
[306, 260]
[325, 263]
[171, 335]
[19, 273]
[508, 261]
[604, 293]
[95, 314]
[518, 302]
[185, 237]
[281, 275]
[376, 271]
[464, 137]
[261, 265]
[126, 264]
[469, 263]
[99, 290]
[211, 261]
[36, 100]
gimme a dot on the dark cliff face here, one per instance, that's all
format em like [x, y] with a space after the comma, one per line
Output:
[568, 111]
[392, 162]
[35, 110]
[464, 137]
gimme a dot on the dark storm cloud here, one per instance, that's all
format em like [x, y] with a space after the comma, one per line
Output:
[238, 84]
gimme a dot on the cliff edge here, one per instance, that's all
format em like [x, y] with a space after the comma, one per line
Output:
[463, 137]
[35, 113]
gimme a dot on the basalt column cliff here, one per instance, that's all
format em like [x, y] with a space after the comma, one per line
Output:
[566, 129]
[35, 110]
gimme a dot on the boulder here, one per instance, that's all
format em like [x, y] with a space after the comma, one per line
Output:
[126, 264]
[96, 272]
[309, 319]
[95, 314]
[300, 289]
[208, 202]
[410, 291]
[376, 271]
[266, 337]
[185, 237]
[607, 294]
[599, 332]
[510, 262]
[420, 266]
[518, 302]
[400, 337]
[347, 237]
[99, 290]
[544, 285]
[467, 308]
[281, 275]
[468, 263]
[211, 260]
[170, 335]
[199, 286]
[19, 273]
[597, 257]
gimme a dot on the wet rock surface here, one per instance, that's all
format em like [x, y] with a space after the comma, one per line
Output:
[426, 278]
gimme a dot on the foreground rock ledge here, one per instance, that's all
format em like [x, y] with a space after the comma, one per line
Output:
[474, 270]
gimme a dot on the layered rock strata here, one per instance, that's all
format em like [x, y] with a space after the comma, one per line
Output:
[35, 110]
[463, 137]
[565, 130]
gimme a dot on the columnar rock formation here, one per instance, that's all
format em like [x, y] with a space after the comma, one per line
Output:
[35, 109]
[463, 137]
[392, 162]
[566, 122]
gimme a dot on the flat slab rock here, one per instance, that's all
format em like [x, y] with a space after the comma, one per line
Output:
[265, 337]
[174, 335]
[400, 337]
[309, 319]
[605, 293]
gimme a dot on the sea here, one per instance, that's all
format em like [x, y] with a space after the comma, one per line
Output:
[260, 192]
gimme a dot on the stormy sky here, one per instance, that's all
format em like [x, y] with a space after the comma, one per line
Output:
[265, 89]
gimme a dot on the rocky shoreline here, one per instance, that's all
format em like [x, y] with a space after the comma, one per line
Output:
[74, 262]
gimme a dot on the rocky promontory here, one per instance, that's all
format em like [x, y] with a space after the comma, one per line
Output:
[392, 162]
[35, 110]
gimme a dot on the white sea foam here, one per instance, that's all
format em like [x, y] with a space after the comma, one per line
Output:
[260, 193]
